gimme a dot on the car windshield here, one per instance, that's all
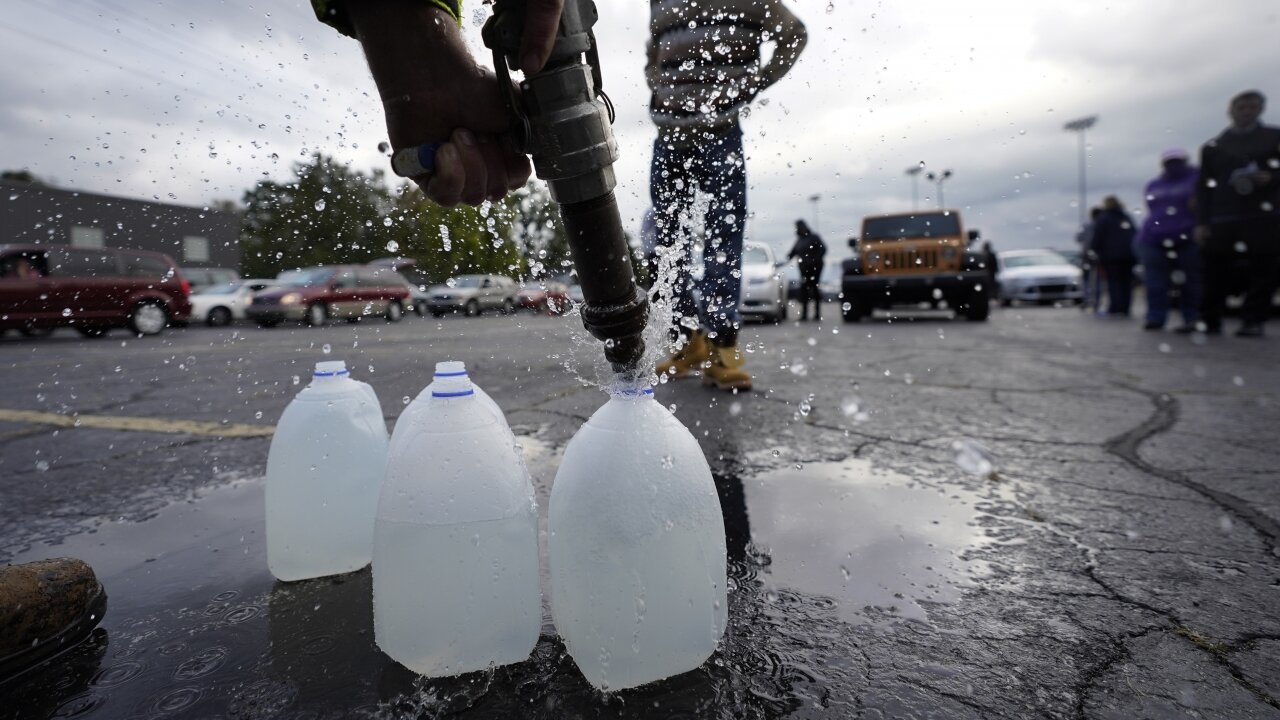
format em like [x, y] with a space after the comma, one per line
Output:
[468, 281]
[901, 227]
[304, 278]
[227, 289]
[755, 255]
[1033, 259]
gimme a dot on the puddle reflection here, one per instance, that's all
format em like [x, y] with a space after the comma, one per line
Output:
[876, 542]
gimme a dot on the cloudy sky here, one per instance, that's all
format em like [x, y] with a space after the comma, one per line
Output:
[193, 102]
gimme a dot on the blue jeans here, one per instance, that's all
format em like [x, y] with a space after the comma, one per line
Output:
[1158, 264]
[716, 167]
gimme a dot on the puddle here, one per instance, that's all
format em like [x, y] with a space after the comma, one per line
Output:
[197, 627]
[878, 543]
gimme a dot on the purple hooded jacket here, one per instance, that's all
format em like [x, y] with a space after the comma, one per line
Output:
[1169, 215]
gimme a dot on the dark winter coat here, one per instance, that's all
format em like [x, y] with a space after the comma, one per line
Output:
[1218, 200]
[809, 251]
[1113, 233]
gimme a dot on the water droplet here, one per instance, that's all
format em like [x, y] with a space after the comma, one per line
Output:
[393, 246]
[326, 348]
[404, 400]
[42, 465]
[805, 408]
[667, 462]
[66, 312]
[973, 457]
[257, 415]
[320, 205]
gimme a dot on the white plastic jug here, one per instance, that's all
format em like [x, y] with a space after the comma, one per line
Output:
[636, 546]
[455, 557]
[415, 409]
[323, 471]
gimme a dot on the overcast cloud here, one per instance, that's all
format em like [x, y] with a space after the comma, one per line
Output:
[194, 102]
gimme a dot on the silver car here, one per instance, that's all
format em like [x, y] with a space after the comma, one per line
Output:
[473, 294]
[764, 294]
[1039, 276]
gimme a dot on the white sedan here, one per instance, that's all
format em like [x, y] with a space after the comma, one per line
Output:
[1039, 276]
[220, 304]
[764, 294]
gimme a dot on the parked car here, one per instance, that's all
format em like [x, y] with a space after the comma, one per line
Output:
[221, 304]
[316, 295]
[473, 294]
[1039, 276]
[764, 294]
[913, 258]
[545, 297]
[91, 289]
[413, 280]
[201, 278]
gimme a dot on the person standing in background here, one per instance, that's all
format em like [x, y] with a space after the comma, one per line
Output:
[1165, 243]
[808, 252]
[1238, 214]
[1112, 243]
[704, 66]
[1089, 264]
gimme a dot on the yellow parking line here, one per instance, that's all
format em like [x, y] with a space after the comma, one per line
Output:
[139, 424]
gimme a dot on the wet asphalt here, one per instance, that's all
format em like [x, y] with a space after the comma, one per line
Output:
[1045, 515]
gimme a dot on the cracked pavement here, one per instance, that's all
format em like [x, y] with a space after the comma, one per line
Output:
[1127, 553]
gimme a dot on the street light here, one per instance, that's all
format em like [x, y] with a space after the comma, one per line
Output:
[1078, 126]
[814, 199]
[914, 171]
[938, 179]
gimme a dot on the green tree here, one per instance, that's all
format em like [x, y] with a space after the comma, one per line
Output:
[326, 215]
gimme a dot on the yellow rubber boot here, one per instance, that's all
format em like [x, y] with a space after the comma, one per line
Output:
[695, 355]
[725, 371]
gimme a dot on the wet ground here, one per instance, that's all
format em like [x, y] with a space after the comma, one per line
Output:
[1045, 515]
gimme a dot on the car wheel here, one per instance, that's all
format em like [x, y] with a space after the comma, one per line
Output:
[853, 309]
[317, 315]
[420, 308]
[218, 317]
[472, 308]
[148, 318]
[394, 311]
[92, 331]
[978, 308]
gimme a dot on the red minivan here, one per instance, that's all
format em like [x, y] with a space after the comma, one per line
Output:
[316, 295]
[91, 289]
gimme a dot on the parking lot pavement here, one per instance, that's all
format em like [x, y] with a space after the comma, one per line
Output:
[1046, 514]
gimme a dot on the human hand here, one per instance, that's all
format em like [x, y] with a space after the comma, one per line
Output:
[541, 22]
[434, 93]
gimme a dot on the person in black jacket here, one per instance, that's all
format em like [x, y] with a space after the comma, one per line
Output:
[1238, 214]
[809, 252]
[1112, 243]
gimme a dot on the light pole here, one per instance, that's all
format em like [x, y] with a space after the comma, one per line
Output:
[1078, 126]
[914, 172]
[938, 179]
[814, 199]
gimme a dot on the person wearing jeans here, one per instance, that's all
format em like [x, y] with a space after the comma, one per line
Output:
[1165, 244]
[705, 65]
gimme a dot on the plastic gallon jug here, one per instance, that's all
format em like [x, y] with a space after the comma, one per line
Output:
[636, 546]
[455, 558]
[415, 409]
[323, 471]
